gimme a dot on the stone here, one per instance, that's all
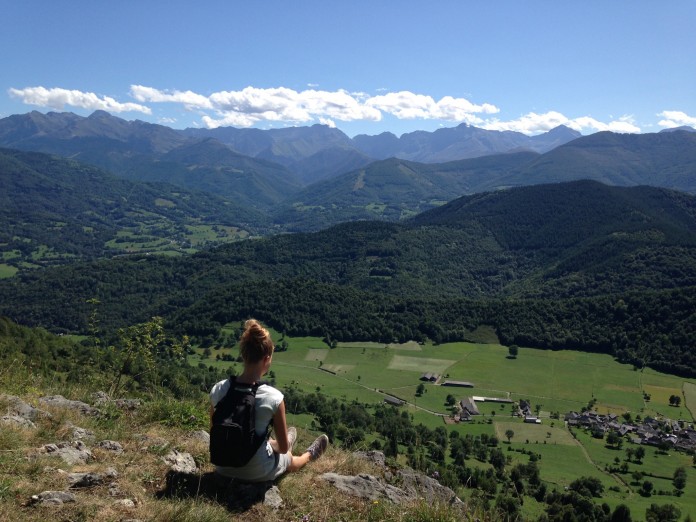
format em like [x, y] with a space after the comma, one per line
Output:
[367, 487]
[419, 485]
[16, 406]
[110, 445]
[17, 421]
[102, 398]
[200, 435]
[82, 433]
[272, 498]
[375, 457]
[72, 453]
[58, 401]
[125, 503]
[53, 497]
[180, 462]
[86, 480]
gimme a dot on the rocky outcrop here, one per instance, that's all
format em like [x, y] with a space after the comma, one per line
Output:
[402, 486]
[72, 453]
[58, 401]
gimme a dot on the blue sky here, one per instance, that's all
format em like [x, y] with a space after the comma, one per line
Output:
[363, 66]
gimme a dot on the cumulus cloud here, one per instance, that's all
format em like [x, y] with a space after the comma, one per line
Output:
[251, 105]
[189, 99]
[57, 98]
[533, 123]
[676, 119]
[408, 105]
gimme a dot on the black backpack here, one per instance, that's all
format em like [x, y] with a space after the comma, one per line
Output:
[233, 438]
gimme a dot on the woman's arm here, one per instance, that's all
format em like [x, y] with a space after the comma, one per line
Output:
[280, 427]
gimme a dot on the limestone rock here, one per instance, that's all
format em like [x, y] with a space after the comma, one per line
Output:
[17, 421]
[53, 498]
[72, 453]
[88, 480]
[102, 398]
[200, 435]
[418, 485]
[58, 401]
[376, 457]
[16, 406]
[111, 445]
[125, 503]
[367, 487]
[272, 498]
[180, 462]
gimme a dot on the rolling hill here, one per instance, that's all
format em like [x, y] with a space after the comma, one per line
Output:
[54, 210]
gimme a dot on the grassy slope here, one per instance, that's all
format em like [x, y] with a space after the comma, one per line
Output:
[141, 471]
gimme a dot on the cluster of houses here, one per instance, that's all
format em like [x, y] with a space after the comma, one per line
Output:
[651, 431]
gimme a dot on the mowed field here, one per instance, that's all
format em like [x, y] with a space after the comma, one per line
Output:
[553, 382]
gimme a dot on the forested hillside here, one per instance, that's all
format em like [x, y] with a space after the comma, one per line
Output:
[578, 265]
[54, 210]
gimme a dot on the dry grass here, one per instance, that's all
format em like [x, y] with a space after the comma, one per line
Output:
[145, 438]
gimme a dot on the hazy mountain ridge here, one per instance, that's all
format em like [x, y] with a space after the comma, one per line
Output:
[461, 142]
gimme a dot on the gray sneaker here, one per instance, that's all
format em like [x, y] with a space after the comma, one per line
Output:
[292, 437]
[318, 447]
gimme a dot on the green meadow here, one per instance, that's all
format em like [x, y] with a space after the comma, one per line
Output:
[553, 382]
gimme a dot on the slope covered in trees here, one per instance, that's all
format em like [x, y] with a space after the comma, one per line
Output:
[587, 267]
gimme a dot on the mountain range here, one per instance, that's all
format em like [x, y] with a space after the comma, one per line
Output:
[308, 178]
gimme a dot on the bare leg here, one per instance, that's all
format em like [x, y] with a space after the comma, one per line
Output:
[298, 462]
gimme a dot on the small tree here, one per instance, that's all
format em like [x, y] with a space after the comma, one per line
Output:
[509, 434]
[513, 350]
[646, 488]
[674, 400]
[138, 348]
[679, 480]
[420, 390]
[639, 453]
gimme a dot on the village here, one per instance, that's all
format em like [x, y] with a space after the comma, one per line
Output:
[660, 432]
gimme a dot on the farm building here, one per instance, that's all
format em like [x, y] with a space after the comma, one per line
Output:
[530, 419]
[393, 401]
[430, 377]
[461, 384]
[469, 405]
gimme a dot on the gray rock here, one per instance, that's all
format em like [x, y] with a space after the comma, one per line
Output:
[102, 398]
[82, 434]
[125, 503]
[367, 487]
[17, 421]
[53, 497]
[58, 401]
[16, 406]
[72, 453]
[85, 480]
[111, 445]
[272, 498]
[376, 457]
[180, 462]
[200, 435]
[418, 485]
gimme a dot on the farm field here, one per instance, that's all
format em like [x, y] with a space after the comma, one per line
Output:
[552, 381]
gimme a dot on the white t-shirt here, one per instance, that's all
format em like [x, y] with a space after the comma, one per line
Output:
[263, 465]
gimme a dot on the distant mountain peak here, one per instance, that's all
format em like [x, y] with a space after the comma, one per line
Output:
[682, 128]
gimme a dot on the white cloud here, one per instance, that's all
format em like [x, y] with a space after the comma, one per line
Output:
[189, 99]
[676, 119]
[328, 122]
[534, 123]
[408, 105]
[57, 98]
[251, 105]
